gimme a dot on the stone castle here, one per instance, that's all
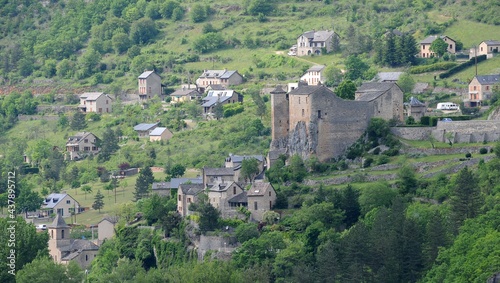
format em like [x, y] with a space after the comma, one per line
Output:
[313, 121]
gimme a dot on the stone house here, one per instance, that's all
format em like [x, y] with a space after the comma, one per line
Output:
[387, 77]
[212, 176]
[480, 89]
[106, 228]
[185, 95]
[386, 99]
[218, 77]
[81, 145]
[414, 108]
[63, 249]
[215, 97]
[425, 45]
[261, 197]
[143, 130]
[314, 75]
[60, 204]
[487, 47]
[312, 120]
[187, 193]
[219, 194]
[160, 134]
[165, 188]
[315, 42]
[149, 85]
[96, 102]
[235, 161]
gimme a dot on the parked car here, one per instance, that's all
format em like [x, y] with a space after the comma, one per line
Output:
[446, 120]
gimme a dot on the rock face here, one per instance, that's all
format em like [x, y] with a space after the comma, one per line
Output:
[495, 114]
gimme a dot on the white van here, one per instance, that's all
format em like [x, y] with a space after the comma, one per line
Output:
[447, 106]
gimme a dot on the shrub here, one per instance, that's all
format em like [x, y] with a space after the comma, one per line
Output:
[461, 67]
[367, 162]
[468, 155]
[483, 150]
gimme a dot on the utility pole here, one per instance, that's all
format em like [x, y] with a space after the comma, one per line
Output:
[475, 57]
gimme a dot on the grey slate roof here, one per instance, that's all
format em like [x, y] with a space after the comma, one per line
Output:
[58, 222]
[316, 68]
[430, 39]
[91, 95]
[213, 100]
[77, 138]
[223, 74]
[52, 200]
[370, 91]
[175, 182]
[145, 74]
[185, 92]
[218, 171]
[191, 189]
[488, 79]
[110, 219]
[415, 102]
[259, 188]
[492, 42]
[240, 158]
[144, 127]
[278, 89]
[239, 198]
[217, 95]
[216, 87]
[388, 76]
[309, 89]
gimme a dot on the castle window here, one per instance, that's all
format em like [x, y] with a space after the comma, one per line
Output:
[303, 113]
[306, 100]
[62, 234]
[299, 100]
[86, 258]
[319, 114]
[255, 205]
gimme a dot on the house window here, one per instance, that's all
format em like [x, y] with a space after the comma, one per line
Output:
[85, 140]
[299, 100]
[474, 87]
[189, 200]
[107, 101]
[255, 205]
[86, 257]
[319, 114]
[269, 193]
[487, 87]
[60, 211]
[179, 197]
[306, 100]
[270, 204]
[234, 190]
[149, 89]
[100, 110]
[68, 201]
[303, 113]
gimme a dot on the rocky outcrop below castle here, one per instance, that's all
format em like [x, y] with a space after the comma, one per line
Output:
[495, 114]
[303, 142]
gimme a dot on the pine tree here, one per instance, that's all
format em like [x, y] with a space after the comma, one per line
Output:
[78, 121]
[108, 145]
[350, 205]
[98, 201]
[143, 183]
[465, 197]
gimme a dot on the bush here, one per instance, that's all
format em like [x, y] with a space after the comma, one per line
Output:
[432, 67]
[367, 162]
[468, 155]
[483, 150]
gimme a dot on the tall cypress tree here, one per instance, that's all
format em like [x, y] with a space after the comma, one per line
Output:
[98, 201]
[350, 204]
[143, 183]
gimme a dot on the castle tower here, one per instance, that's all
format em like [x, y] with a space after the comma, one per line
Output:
[58, 237]
[280, 111]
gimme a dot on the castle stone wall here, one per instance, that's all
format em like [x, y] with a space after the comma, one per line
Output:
[412, 133]
[468, 131]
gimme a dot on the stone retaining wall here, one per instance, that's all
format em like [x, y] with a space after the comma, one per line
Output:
[412, 133]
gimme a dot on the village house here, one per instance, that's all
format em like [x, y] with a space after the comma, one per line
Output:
[261, 197]
[60, 204]
[218, 77]
[425, 45]
[215, 87]
[106, 228]
[165, 188]
[187, 193]
[63, 249]
[313, 121]
[160, 134]
[315, 42]
[215, 97]
[212, 176]
[387, 77]
[185, 95]
[81, 145]
[481, 89]
[314, 75]
[143, 130]
[235, 161]
[219, 194]
[149, 85]
[97, 102]
[487, 47]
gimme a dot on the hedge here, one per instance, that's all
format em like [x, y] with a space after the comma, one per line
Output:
[432, 67]
[461, 67]
[432, 121]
